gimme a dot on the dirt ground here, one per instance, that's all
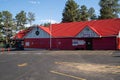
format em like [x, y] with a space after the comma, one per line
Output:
[93, 67]
[92, 63]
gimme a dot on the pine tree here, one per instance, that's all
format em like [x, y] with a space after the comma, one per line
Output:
[31, 17]
[92, 15]
[84, 13]
[71, 12]
[45, 24]
[21, 19]
[0, 25]
[109, 9]
[7, 25]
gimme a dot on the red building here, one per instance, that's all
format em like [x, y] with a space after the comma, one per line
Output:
[89, 35]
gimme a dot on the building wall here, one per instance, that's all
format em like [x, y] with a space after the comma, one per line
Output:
[71, 43]
[118, 43]
[57, 43]
[36, 43]
[68, 43]
[108, 43]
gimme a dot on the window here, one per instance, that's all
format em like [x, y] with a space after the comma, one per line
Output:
[27, 44]
[37, 33]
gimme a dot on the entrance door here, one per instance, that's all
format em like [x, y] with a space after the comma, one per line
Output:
[89, 44]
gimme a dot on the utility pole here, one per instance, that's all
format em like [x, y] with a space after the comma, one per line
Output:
[50, 35]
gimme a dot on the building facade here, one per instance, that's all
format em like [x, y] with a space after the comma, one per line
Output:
[89, 35]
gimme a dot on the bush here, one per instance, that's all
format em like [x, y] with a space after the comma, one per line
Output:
[2, 45]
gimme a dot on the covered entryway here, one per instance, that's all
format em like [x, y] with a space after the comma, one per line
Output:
[89, 45]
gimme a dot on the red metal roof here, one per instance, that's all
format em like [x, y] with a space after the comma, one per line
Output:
[108, 27]
[22, 33]
[46, 29]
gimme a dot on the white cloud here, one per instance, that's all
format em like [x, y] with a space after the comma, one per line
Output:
[34, 2]
[27, 25]
[48, 21]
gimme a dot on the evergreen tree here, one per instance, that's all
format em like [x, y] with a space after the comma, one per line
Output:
[84, 13]
[15, 29]
[109, 9]
[46, 24]
[0, 24]
[0, 18]
[31, 17]
[21, 20]
[92, 15]
[7, 25]
[71, 12]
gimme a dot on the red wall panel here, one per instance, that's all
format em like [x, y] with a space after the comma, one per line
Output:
[57, 43]
[118, 42]
[108, 43]
[65, 44]
[37, 43]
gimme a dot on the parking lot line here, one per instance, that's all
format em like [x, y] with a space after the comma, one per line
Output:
[22, 65]
[63, 74]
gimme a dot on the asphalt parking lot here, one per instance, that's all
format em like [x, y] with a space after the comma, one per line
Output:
[60, 65]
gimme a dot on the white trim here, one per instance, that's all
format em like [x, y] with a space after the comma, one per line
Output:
[118, 35]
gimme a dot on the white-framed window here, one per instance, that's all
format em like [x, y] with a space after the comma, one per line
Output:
[27, 43]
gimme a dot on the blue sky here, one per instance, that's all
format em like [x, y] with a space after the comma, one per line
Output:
[45, 10]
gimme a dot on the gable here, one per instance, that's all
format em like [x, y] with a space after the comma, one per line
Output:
[37, 33]
[87, 32]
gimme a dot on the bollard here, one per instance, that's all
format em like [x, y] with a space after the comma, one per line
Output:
[3, 50]
[8, 49]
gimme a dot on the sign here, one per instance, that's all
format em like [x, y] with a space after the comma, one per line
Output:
[76, 42]
[81, 42]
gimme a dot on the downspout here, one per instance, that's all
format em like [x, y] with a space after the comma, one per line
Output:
[117, 41]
